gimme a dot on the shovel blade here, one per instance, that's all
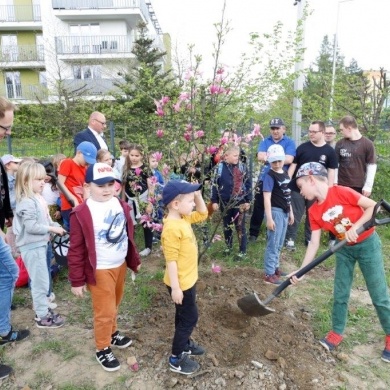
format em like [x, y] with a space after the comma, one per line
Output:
[252, 306]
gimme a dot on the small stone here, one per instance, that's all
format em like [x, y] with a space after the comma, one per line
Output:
[214, 359]
[283, 386]
[239, 374]
[342, 356]
[286, 338]
[171, 382]
[244, 335]
[270, 355]
[305, 315]
[257, 364]
[220, 382]
[282, 362]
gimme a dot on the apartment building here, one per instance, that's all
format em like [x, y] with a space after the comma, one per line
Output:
[78, 47]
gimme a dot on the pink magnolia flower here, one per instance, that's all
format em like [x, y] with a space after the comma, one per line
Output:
[216, 268]
[248, 137]
[199, 134]
[189, 127]
[164, 100]
[136, 187]
[184, 96]
[176, 106]
[160, 133]
[214, 89]
[224, 140]
[145, 219]
[187, 136]
[212, 149]
[152, 200]
[227, 91]
[152, 180]
[189, 74]
[159, 111]
[256, 129]
[217, 237]
[157, 227]
[138, 171]
[157, 156]
[220, 70]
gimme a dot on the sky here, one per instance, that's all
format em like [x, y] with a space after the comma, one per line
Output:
[363, 27]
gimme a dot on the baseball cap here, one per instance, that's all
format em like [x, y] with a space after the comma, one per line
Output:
[177, 187]
[276, 122]
[7, 158]
[275, 153]
[89, 151]
[311, 168]
[99, 173]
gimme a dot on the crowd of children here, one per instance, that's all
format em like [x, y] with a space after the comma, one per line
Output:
[100, 200]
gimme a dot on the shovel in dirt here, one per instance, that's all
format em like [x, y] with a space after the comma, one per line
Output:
[251, 304]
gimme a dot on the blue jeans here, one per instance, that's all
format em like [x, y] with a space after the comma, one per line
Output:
[275, 240]
[49, 256]
[9, 273]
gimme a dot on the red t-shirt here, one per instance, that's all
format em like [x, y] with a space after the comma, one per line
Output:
[338, 212]
[75, 179]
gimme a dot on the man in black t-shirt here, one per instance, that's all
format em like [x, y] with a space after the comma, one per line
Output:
[314, 150]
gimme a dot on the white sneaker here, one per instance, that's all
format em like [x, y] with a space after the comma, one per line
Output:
[145, 252]
[290, 245]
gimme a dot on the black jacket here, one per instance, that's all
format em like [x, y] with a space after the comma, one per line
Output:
[5, 204]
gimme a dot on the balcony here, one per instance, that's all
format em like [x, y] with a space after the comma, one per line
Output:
[21, 56]
[92, 87]
[132, 11]
[31, 92]
[101, 46]
[20, 17]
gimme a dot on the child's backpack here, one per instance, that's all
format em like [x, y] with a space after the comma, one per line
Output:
[23, 274]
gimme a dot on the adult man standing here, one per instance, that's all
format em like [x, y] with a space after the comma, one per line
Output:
[356, 157]
[330, 135]
[314, 150]
[277, 136]
[9, 271]
[94, 132]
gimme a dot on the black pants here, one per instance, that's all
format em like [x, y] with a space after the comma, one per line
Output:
[258, 211]
[148, 237]
[186, 318]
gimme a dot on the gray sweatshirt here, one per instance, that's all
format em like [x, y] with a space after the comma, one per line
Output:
[31, 224]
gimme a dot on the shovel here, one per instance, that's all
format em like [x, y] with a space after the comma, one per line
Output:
[251, 304]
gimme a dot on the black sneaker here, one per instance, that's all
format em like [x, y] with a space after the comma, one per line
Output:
[107, 360]
[120, 341]
[193, 348]
[14, 335]
[5, 371]
[183, 364]
[252, 238]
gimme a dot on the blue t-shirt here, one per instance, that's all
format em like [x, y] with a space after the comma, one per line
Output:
[287, 144]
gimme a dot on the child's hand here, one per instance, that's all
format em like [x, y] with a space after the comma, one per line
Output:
[149, 208]
[79, 291]
[177, 296]
[58, 230]
[215, 206]
[271, 224]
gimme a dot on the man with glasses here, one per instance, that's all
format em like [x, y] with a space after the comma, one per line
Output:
[277, 136]
[314, 150]
[9, 270]
[330, 135]
[94, 132]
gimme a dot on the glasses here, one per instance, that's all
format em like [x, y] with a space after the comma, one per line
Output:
[6, 128]
[102, 123]
[314, 131]
[330, 133]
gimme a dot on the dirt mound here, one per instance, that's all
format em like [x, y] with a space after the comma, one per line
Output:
[277, 351]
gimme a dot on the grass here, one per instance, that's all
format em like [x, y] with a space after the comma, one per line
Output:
[61, 348]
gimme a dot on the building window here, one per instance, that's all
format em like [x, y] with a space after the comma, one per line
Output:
[13, 85]
[86, 72]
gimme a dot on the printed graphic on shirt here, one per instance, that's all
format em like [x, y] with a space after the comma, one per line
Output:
[114, 232]
[285, 190]
[336, 217]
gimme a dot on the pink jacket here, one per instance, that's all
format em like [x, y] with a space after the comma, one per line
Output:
[82, 251]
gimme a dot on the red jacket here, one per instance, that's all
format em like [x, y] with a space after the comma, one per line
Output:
[82, 250]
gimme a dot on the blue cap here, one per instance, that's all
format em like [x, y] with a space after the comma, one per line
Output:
[177, 187]
[89, 151]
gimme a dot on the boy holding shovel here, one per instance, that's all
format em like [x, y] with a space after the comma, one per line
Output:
[342, 211]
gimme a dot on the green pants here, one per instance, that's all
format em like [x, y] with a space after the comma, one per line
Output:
[368, 254]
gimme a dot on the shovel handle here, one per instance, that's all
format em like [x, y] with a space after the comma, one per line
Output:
[369, 224]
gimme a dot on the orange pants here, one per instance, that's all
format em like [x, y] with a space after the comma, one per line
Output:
[106, 296]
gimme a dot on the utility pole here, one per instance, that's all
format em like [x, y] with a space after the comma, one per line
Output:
[298, 83]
